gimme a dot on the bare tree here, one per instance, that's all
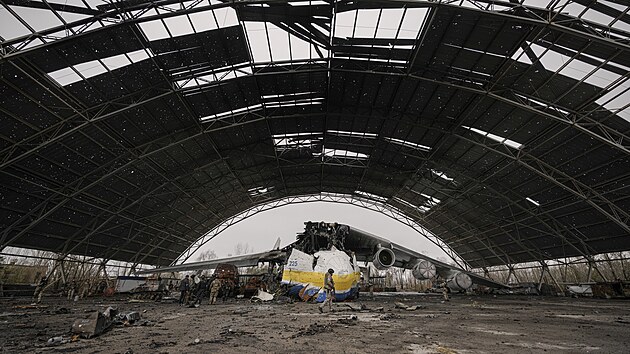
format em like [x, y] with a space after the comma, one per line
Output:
[207, 255]
[242, 248]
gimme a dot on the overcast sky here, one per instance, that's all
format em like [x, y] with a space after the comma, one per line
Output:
[261, 231]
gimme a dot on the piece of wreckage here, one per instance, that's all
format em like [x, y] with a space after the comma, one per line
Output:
[301, 265]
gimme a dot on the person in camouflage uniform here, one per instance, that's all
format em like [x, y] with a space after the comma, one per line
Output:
[329, 288]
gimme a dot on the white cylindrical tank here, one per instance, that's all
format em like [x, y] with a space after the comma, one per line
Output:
[424, 270]
[459, 281]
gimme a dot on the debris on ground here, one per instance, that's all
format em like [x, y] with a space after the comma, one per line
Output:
[61, 311]
[356, 307]
[282, 299]
[30, 307]
[95, 324]
[261, 296]
[400, 305]
[389, 316]
[241, 311]
[350, 320]
[313, 329]
[233, 332]
[130, 319]
[57, 341]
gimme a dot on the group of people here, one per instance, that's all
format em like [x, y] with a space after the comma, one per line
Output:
[72, 290]
[193, 290]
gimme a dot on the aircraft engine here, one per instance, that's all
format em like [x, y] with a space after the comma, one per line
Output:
[459, 281]
[384, 258]
[424, 270]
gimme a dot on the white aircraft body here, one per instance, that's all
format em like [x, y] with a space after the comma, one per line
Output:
[322, 245]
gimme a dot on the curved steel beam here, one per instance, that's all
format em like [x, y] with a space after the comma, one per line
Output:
[387, 210]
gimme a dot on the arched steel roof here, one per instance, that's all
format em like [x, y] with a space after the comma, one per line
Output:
[131, 128]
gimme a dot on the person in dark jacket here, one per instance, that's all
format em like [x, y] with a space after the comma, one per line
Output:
[201, 289]
[184, 286]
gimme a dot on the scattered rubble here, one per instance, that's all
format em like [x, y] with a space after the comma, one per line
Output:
[355, 306]
[389, 316]
[261, 296]
[351, 320]
[400, 305]
[313, 329]
[95, 324]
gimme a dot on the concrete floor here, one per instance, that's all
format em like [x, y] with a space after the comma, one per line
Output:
[466, 324]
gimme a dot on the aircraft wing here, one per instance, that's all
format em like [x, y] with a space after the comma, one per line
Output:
[238, 261]
[365, 244]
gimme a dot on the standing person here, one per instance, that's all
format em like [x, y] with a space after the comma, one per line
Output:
[445, 291]
[201, 289]
[72, 290]
[39, 290]
[214, 290]
[329, 287]
[184, 286]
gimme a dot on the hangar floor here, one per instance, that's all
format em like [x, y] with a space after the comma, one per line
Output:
[466, 324]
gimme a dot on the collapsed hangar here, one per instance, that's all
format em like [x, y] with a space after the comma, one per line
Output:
[132, 128]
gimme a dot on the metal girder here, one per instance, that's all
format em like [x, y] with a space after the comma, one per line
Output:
[559, 178]
[388, 210]
[239, 178]
[619, 140]
[508, 195]
[607, 135]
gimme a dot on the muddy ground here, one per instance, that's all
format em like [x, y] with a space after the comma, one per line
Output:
[466, 324]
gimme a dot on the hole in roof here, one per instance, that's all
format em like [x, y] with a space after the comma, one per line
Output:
[270, 43]
[375, 23]
[352, 134]
[573, 68]
[540, 104]
[532, 201]
[370, 196]
[221, 74]
[242, 110]
[295, 103]
[284, 142]
[344, 154]
[617, 101]
[292, 100]
[431, 201]
[408, 144]
[39, 19]
[257, 191]
[69, 75]
[505, 141]
[257, 36]
[404, 202]
[204, 21]
[291, 95]
[178, 25]
[442, 175]
[77, 3]
[11, 26]
[181, 25]
[226, 17]
[308, 3]
[279, 43]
